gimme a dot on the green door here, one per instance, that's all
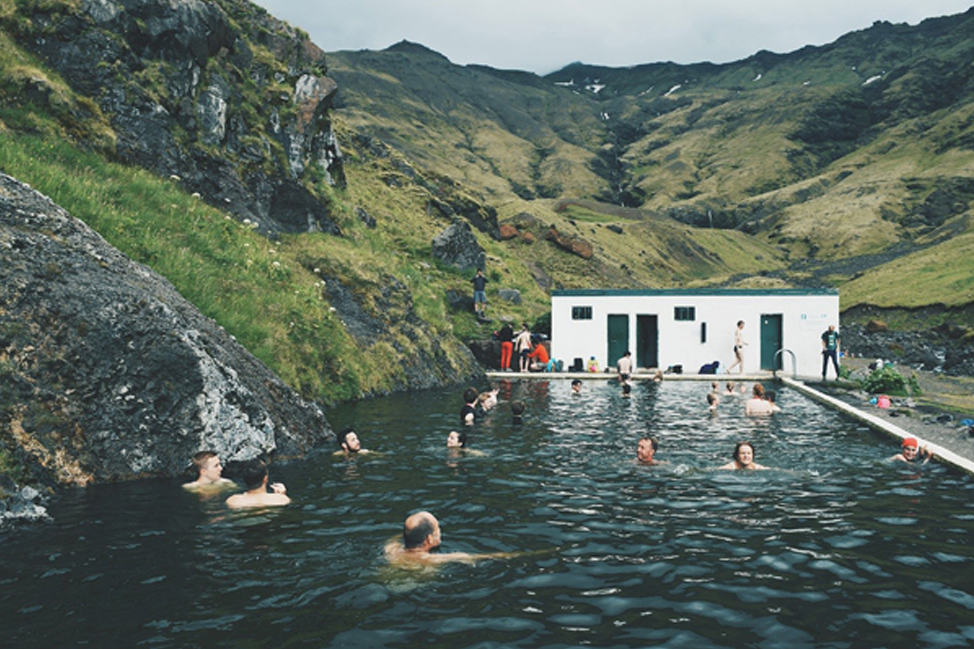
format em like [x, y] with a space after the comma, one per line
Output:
[647, 341]
[770, 341]
[618, 337]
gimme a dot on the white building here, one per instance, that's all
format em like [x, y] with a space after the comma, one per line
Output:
[694, 327]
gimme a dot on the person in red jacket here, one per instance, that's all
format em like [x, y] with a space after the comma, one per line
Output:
[538, 358]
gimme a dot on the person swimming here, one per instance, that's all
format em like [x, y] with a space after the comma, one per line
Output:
[257, 495]
[743, 458]
[420, 539]
[912, 452]
[209, 474]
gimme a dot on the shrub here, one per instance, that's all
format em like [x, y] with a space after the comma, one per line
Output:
[888, 381]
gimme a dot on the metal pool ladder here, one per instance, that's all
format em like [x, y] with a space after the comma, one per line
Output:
[794, 363]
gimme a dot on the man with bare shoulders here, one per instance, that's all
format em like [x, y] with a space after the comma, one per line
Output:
[912, 452]
[350, 443]
[624, 367]
[646, 450]
[209, 473]
[420, 537]
[255, 479]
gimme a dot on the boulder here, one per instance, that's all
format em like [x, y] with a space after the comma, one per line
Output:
[511, 295]
[570, 243]
[110, 373]
[508, 232]
[457, 246]
[875, 326]
[365, 218]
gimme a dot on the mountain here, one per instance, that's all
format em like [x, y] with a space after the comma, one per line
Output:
[327, 210]
[848, 162]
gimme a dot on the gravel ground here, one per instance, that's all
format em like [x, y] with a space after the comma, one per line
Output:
[933, 417]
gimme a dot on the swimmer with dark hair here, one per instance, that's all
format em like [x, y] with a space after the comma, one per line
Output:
[469, 410]
[646, 450]
[517, 409]
[743, 458]
[254, 475]
[456, 442]
[577, 386]
[350, 443]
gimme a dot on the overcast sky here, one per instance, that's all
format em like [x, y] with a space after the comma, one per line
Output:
[545, 35]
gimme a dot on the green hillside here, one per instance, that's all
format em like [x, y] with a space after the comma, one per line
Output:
[847, 165]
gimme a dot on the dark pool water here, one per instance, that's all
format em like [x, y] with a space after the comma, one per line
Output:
[833, 547]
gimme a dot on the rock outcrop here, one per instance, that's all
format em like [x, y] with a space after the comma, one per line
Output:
[218, 94]
[457, 246]
[570, 243]
[107, 373]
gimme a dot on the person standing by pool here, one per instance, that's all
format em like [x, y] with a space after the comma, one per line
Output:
[522, 345]
[209, 473]
[646, 450]
[506, 337]
[739, 344]
[624, 367]
[420, 537]
[255, 480]
[912, 452]
[743, 458]
[479, 292]
[830, 349]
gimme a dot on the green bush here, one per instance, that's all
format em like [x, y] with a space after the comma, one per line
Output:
[887, 380]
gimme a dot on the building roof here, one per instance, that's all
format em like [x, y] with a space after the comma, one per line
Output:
[692, 292]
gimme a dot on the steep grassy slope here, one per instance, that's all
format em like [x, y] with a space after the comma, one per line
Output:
[500, 137]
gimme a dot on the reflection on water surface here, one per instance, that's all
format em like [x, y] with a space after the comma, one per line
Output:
[831, 547]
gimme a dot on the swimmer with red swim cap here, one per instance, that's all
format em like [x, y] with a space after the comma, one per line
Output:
[912, 452]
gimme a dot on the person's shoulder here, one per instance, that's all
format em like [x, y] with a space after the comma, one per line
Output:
[242, 501]
[238, 501]
[222, 483]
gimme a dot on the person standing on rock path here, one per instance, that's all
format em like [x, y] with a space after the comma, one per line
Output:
[479, 292]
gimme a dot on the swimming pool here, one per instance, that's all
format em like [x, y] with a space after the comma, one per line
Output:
[831, 547]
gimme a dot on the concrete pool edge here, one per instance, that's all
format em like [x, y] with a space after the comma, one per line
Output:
[941, 453]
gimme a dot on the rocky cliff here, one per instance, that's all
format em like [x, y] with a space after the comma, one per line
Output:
[107, 373]
[220, 95]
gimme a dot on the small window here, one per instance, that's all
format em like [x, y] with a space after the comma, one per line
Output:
[685, 313]
[581, 313]
[703, 332]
